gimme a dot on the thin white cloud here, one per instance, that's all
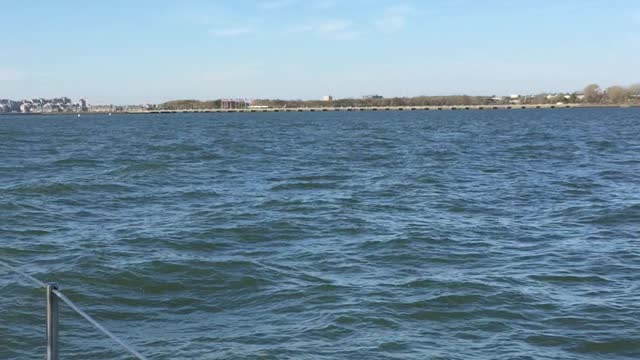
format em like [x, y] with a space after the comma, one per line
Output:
[10, 74]
[333, 26]
[336, 28]
[636, 16]
[231, 31]
[394, 18]
[275, 4]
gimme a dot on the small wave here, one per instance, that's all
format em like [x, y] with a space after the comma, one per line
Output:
[12, 206]
[398, 243]
[44, 189]
[393, 346]
[141, 167]
[442, 316]
[27, 232]
[628, 215]
[548, 340]
[616, 346]
[568, 279]
[329, 332]
[199, 194]
[175, 148]
[305, 186]
[428, 180]
[67, 188]
[441, 301]
[318, 178]
[613, 175]
[72, 162]
[209, 156]
[603, 145]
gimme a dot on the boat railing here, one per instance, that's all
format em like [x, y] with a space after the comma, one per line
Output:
[53, 298]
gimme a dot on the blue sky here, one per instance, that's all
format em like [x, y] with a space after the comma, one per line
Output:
[140, 51]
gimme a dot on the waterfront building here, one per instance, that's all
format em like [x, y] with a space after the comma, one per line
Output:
[230, 104]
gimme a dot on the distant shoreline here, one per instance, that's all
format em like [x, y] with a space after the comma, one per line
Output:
[340, 109]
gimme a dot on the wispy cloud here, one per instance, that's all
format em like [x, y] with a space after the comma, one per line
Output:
[275, 4]
[231, 31]
[394, 18]
[10, 74]
[336, 28]
[636, 16]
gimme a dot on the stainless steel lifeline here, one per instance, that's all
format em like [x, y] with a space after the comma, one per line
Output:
[53, 295]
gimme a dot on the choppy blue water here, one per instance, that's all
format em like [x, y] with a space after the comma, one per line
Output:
[415, 235]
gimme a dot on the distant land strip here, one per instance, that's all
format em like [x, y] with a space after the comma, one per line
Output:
[346, 109]
[591, 96]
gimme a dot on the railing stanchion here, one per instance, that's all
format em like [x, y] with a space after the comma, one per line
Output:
[52, 322]
[54, 296]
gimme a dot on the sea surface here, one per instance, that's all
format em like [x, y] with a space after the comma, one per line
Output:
[367, 235]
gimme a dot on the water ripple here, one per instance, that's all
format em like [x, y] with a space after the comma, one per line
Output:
[381, 235]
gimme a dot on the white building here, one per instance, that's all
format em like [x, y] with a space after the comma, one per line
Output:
[327, 98]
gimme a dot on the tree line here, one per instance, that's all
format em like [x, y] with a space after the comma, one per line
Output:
[592, 94]
[190, 105]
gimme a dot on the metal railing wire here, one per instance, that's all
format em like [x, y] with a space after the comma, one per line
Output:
[53, 293]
